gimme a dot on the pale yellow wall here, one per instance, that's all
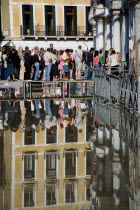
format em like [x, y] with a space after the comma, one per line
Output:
[39, 15]
[16, 19]
[80, 16]
[5, 16]
[60, 11]
[55, 1]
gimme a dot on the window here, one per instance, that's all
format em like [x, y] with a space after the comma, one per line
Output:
[71, 134]
[88, 162]
[70, 192]
[88, 31]
[29, 137]
[51, 136]
[29, 195]
[29, 165]
[27, 16]
[50, 20]
[50, 194]
[70, 19]
[51, 163]
[70, 163]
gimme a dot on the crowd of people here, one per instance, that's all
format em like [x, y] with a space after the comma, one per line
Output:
[42, 114]
[52, 65]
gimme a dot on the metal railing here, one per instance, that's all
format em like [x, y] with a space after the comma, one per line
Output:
[42, 30]
[122, 87]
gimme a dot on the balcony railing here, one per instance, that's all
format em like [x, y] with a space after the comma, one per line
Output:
[41, 31]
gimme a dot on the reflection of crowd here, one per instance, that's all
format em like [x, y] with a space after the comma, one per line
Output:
[41, 114]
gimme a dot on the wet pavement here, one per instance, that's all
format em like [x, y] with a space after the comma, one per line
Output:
[68, 154]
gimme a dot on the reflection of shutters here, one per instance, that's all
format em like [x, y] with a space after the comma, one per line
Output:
[54, 22]
[75, 21]
[29, 166]
[70, 164]
[51, 165]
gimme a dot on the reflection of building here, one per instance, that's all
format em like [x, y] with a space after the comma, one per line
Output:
[49, 170]
[44, 22]
[115, 174]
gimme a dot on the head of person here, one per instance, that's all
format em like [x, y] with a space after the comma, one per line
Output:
[61, 52]
[54, 52]
[67, 51]
[79, 47]
[91, 49]
[96, 53]
[113, 52]
[100, 51]
[27, 51]
[36, 50]
[48, 50]
[51, 46]
[20, 49]
[14, 50]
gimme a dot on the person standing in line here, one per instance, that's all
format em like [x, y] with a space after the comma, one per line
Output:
[66, 59]
[101, 58]
[114, 60]
[96, 60]
[89, 62]
[78, 56]
[48, 65]
[22, 67]
[54, 68]
[27, 63]
[71, 65]
[4, 61]
[0, 63]
[60, 65]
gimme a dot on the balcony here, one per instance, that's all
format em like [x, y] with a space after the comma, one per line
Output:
[41, 31]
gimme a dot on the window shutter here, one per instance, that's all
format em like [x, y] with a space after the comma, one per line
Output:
[54, 22]
[75, 21]
[31, 20]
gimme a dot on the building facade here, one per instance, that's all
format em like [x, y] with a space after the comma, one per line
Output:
[116, 25]
[32, 23]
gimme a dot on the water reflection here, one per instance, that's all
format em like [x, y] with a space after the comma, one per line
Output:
[68, 154]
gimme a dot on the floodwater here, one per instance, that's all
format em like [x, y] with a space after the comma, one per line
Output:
[67, 154]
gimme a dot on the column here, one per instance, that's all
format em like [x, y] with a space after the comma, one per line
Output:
[99, 34]
[116, 44]
[125, 36]
[107, 33]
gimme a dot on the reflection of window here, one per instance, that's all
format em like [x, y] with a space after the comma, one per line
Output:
[70, 163]
[29, 165]
[29, 137]
[70, 192]
[88, 162]
[87, 191]
[50, 194]
[51, 135]
[71, 134]
[29, 195]
[51, 164]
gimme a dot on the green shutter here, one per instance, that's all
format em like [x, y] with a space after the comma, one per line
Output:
[65, 20]
[54, 22]
[23, 20]
[46, 20]
[31, 20]
[75, 21]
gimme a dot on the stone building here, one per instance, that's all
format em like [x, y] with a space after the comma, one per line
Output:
[41, 22]
[116, 25]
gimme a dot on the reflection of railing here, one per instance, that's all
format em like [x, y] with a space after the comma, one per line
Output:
[42, 30]
[122, 87]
